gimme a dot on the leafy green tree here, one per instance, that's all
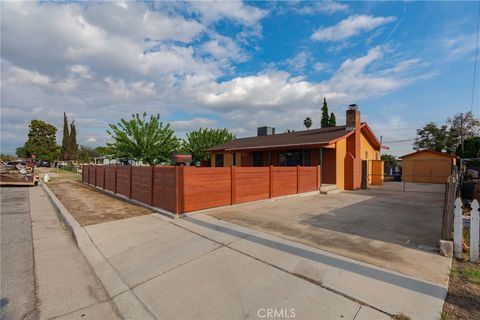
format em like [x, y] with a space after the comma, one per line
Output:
[471, 148]
[22, 152]
[197, 142]
[307, 122]
[142, 139]
[65, 139]
[332, 122]
[86, 153]
[42, 140]
[389, 160]
[72, 142]
[325, 122]
[104, 151]
[465, 123]
[431, 137]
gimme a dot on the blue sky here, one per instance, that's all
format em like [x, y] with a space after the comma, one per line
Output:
[237, 65]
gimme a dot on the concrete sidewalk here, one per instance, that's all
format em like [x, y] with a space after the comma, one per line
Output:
[227, 271]
[67, 287]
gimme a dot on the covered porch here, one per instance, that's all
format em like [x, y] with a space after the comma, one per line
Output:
[324, 155]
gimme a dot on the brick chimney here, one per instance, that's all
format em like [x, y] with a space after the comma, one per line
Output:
[353, 161]
[353, 117]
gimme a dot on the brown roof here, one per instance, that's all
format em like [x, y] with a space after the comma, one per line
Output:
[430, 151]
[292, 139]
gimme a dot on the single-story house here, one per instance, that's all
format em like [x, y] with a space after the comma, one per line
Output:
[338, 150]
[427, 166]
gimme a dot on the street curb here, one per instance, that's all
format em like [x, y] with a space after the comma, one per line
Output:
[124, 299]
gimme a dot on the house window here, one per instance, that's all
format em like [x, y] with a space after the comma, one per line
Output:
[234, 158]
[258, 159]
[219, 160]
[366, 155]
[291, 158]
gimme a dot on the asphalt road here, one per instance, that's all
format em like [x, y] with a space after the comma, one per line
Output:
[17, 268]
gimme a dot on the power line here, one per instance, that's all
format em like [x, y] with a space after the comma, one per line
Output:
[476, 58]
[398, 141]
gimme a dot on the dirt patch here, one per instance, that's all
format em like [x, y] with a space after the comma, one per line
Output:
[463, 299]
[89, 206]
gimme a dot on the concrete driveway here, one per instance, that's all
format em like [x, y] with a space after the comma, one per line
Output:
[391, 229]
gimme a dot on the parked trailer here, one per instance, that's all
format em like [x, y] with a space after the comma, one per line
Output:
[18, 173]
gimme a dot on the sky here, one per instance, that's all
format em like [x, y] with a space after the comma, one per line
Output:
[235, 65]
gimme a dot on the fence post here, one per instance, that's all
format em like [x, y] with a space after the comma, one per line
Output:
[179, 184]
[298, 179]
[104, 171]
[270, 174]
[95, 176]
[130, 187]
[474, 231]
[115, 179]
[233, 175]
[151, 185]
[458, 228]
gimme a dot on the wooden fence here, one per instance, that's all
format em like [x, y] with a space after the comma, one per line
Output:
[473, 218]
[451, 193]
[185, 189]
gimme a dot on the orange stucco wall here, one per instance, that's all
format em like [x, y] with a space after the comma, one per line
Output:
[341, 152]
[368, 152]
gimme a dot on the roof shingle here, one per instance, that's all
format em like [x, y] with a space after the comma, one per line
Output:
[291, 139]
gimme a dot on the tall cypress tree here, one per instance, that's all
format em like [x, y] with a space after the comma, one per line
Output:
[325, 120]
[72, 144]
[66, 139]
[332, 120]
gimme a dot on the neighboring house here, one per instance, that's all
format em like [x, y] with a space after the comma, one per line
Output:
[338, 150]
[427, 166]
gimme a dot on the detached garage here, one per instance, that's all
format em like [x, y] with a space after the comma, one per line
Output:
[427, 166]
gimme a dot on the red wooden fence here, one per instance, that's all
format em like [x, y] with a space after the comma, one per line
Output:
[185, 189]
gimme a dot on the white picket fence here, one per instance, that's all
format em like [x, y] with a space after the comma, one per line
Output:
[474, 230]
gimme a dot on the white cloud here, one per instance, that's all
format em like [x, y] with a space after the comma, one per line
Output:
[16, 75]
[81, 71]
[83, 60]
[193, 124]
[326, 7]
[280, 99]
[223, 48]
[320, 66]
[299, 61]
[212, 11]
[350, 27]
[459, 46]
